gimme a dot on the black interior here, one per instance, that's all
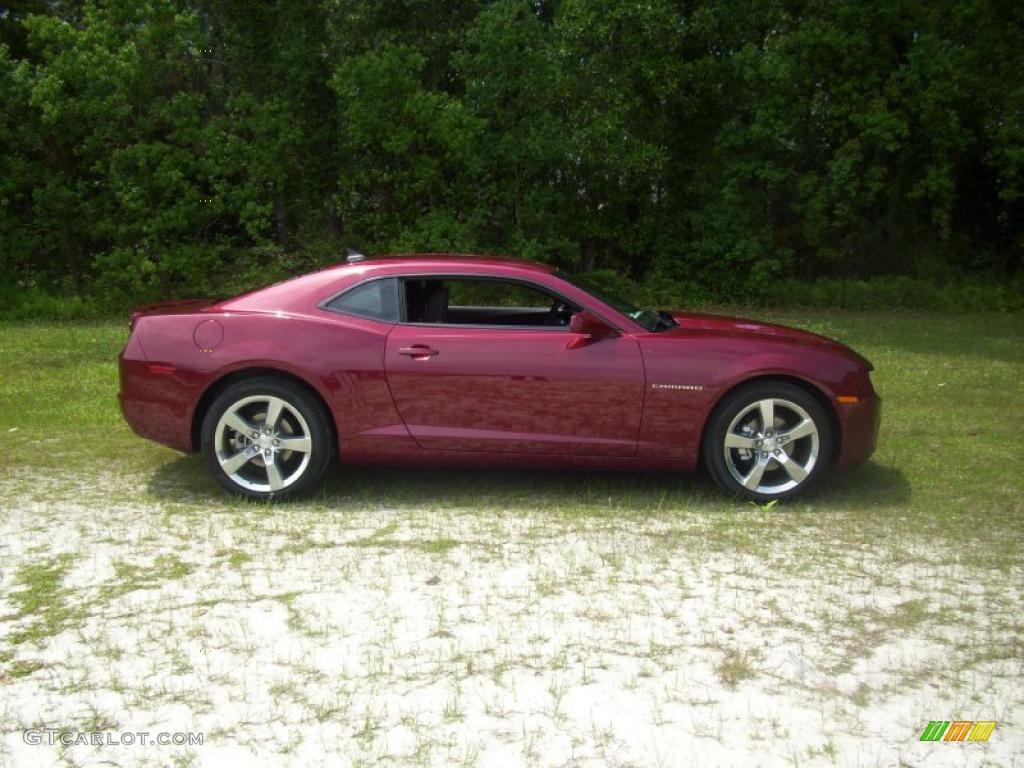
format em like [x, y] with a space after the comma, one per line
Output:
[435, 303]
[427, 301]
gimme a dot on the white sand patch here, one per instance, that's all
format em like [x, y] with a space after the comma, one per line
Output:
[290, 636]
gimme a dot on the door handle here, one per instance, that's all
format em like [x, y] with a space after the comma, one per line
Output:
[421, 351]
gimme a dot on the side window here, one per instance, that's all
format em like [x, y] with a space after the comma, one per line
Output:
[496, 293]
[376, 299]
[483, 301]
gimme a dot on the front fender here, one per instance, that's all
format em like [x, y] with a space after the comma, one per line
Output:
[687, 377]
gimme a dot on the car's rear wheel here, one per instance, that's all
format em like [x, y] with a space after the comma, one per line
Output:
[768, 440]
[266, 438]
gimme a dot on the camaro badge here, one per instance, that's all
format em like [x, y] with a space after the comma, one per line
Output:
[692, 387]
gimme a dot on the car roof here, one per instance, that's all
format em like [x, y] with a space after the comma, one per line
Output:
[295, 294]
[443, 260]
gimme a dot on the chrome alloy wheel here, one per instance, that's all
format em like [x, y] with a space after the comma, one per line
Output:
[771, 446]
[263, 443]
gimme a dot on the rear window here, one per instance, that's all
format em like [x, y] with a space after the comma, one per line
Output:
[375, 299]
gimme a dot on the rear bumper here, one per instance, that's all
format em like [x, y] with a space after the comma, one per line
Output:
[157, 407]
[859, 423]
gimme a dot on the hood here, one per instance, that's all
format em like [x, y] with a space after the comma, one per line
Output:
[755, 330]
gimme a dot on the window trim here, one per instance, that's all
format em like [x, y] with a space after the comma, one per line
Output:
[399, 298]
[403, 305]
[401, 277]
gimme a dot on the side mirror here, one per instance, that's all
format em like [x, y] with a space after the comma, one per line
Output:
[587, 328]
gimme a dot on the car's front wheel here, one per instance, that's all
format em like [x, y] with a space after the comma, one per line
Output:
[266, 438]
[767, 440]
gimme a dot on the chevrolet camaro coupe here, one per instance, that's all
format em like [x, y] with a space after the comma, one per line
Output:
[445, 359]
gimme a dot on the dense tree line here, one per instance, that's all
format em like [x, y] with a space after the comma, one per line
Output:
[160, 147]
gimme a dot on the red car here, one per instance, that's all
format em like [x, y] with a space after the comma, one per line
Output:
[438, 358]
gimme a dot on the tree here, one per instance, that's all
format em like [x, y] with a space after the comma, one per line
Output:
[165, 147]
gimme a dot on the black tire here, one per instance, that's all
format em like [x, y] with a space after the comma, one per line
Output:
[302, 424]
[788, 463]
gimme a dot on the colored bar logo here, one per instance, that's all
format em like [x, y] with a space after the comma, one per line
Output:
[958, 730]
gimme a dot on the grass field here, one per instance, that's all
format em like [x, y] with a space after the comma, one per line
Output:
[464, 617]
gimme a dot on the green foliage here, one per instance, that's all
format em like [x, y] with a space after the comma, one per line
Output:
[904, 292]
[406, 153]
[29, 303]
[804, 152]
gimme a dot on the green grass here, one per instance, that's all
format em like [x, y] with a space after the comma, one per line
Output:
[656, 584]
[42, 606]
[948, 461]
[735, 667]
[130, 576]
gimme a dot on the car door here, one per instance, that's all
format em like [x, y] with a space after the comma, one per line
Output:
[465, 385]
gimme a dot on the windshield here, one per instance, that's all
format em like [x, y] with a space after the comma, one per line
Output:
[650, 319]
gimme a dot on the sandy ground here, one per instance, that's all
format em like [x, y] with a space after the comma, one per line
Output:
[296, 637]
